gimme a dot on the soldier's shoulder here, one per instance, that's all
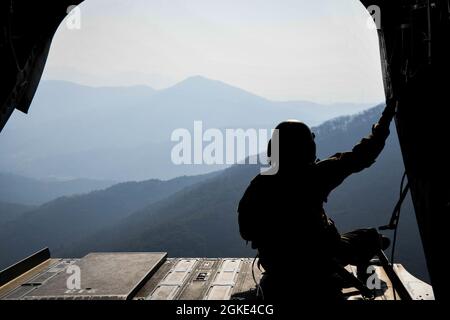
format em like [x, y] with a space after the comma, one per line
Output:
[261, 179]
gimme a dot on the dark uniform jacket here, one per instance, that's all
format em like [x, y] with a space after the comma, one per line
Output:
[282, 215]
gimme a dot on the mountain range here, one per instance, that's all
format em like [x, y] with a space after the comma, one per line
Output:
[124, 133]
[64, 220]
[198, 217]
[29, 191]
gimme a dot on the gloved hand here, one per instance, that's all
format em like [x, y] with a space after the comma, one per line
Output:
[382, 127]
[390, 109]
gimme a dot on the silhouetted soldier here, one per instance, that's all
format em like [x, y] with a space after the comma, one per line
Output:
[283, 216]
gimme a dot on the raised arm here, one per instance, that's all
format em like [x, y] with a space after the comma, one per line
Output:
[335, 169]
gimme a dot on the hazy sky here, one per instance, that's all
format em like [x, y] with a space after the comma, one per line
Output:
[321, 51]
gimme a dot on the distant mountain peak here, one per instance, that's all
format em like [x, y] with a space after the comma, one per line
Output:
[198, 78]
[202, 86]
[201, 81]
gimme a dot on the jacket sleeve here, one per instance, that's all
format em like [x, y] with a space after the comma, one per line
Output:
[334, 170]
